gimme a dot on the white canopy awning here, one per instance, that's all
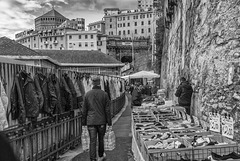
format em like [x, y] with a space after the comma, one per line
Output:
[142, 74]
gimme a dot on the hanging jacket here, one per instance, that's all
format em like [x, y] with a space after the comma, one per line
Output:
[66, 96]
[72, 90]
[3, 107]
[24, 98]
[55, 95]
[41, 84]
[17, 106]
[31, 102]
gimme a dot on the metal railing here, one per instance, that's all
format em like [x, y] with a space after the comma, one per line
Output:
[48, 138]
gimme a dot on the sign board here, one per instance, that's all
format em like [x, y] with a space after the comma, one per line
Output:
[214, 120]
[227, 126]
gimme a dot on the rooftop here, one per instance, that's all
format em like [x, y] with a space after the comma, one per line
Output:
[52, 13]
[79, 57]
[11, 47]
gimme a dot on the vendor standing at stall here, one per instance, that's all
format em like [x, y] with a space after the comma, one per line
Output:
[184, 94]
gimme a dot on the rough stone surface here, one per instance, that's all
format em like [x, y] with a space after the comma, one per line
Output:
[202, 44]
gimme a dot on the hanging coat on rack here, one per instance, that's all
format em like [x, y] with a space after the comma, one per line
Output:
[3, 107]
[24, 98]
[72, 90]
[66, 95]
[55, 95]
[41, 84]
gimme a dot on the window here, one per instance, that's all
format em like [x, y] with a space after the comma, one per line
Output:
[149, 29]
[90, 28]
[135, 23]
[128, 24]
[123, 18]
[86, 36]
[109, 33]
[55, 38]
[140, 16]
[147, 15]
[79, 36]
[86, 44]
[124, 33]
[142, 31]
[110, 26]
[28, 39]
[136, 17]
[50, 38]
[142, 22]
[70, 36]
[143, 16]
[50, 46]
[128, 17]
[112, 32]
[128, 32]
[34, 38]
[92, 44]
[34, 45]
[135, 31]
[61, 38]
[150, 15]
[119, 33]
[133, 17]
[149, 22]
[110, 20]
[41, 39]
[98, 26]
[99, 49]
[123, 24]
[79, 44]
[120, 25]
[91, 36]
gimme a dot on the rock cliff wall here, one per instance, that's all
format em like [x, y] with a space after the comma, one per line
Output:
[203, 44]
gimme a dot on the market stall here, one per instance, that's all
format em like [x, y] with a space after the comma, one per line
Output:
[166, 132]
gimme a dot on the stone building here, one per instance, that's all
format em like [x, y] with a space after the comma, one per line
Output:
[202, 44]
[49, 20]
[99, 26]
[130, 24]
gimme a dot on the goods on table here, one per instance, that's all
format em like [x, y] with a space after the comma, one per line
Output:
[164, 133]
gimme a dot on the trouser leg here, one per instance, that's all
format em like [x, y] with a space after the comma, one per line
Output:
[93, 142]
[101, 133]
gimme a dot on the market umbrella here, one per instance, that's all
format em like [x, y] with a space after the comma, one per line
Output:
[142, 74]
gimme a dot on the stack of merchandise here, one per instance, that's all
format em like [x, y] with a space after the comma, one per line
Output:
[166, 133]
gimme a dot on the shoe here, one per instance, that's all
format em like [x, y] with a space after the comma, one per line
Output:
[102, 158]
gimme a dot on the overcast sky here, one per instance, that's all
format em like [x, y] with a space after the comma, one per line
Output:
[18, 15]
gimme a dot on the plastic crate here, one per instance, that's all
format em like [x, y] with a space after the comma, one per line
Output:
[201, 153]
[165, 154]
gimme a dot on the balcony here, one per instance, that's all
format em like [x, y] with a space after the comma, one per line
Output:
[46, 42]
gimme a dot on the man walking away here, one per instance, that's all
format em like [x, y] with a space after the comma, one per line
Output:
[184, 94]
[96, 114]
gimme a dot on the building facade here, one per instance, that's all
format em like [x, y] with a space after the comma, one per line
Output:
[65, 39]
[131, 24]
[146, 4]
[77, 23]
[86, 40]
[99, 26]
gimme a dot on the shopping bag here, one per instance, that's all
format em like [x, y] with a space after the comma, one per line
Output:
[85, 139]
[109, 140]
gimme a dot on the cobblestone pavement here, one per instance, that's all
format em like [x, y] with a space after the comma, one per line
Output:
[122, 129]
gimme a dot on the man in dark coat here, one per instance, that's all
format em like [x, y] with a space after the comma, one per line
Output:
[184, 94]
[96, 114]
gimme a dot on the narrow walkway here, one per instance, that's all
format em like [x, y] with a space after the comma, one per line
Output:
[122, 129]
